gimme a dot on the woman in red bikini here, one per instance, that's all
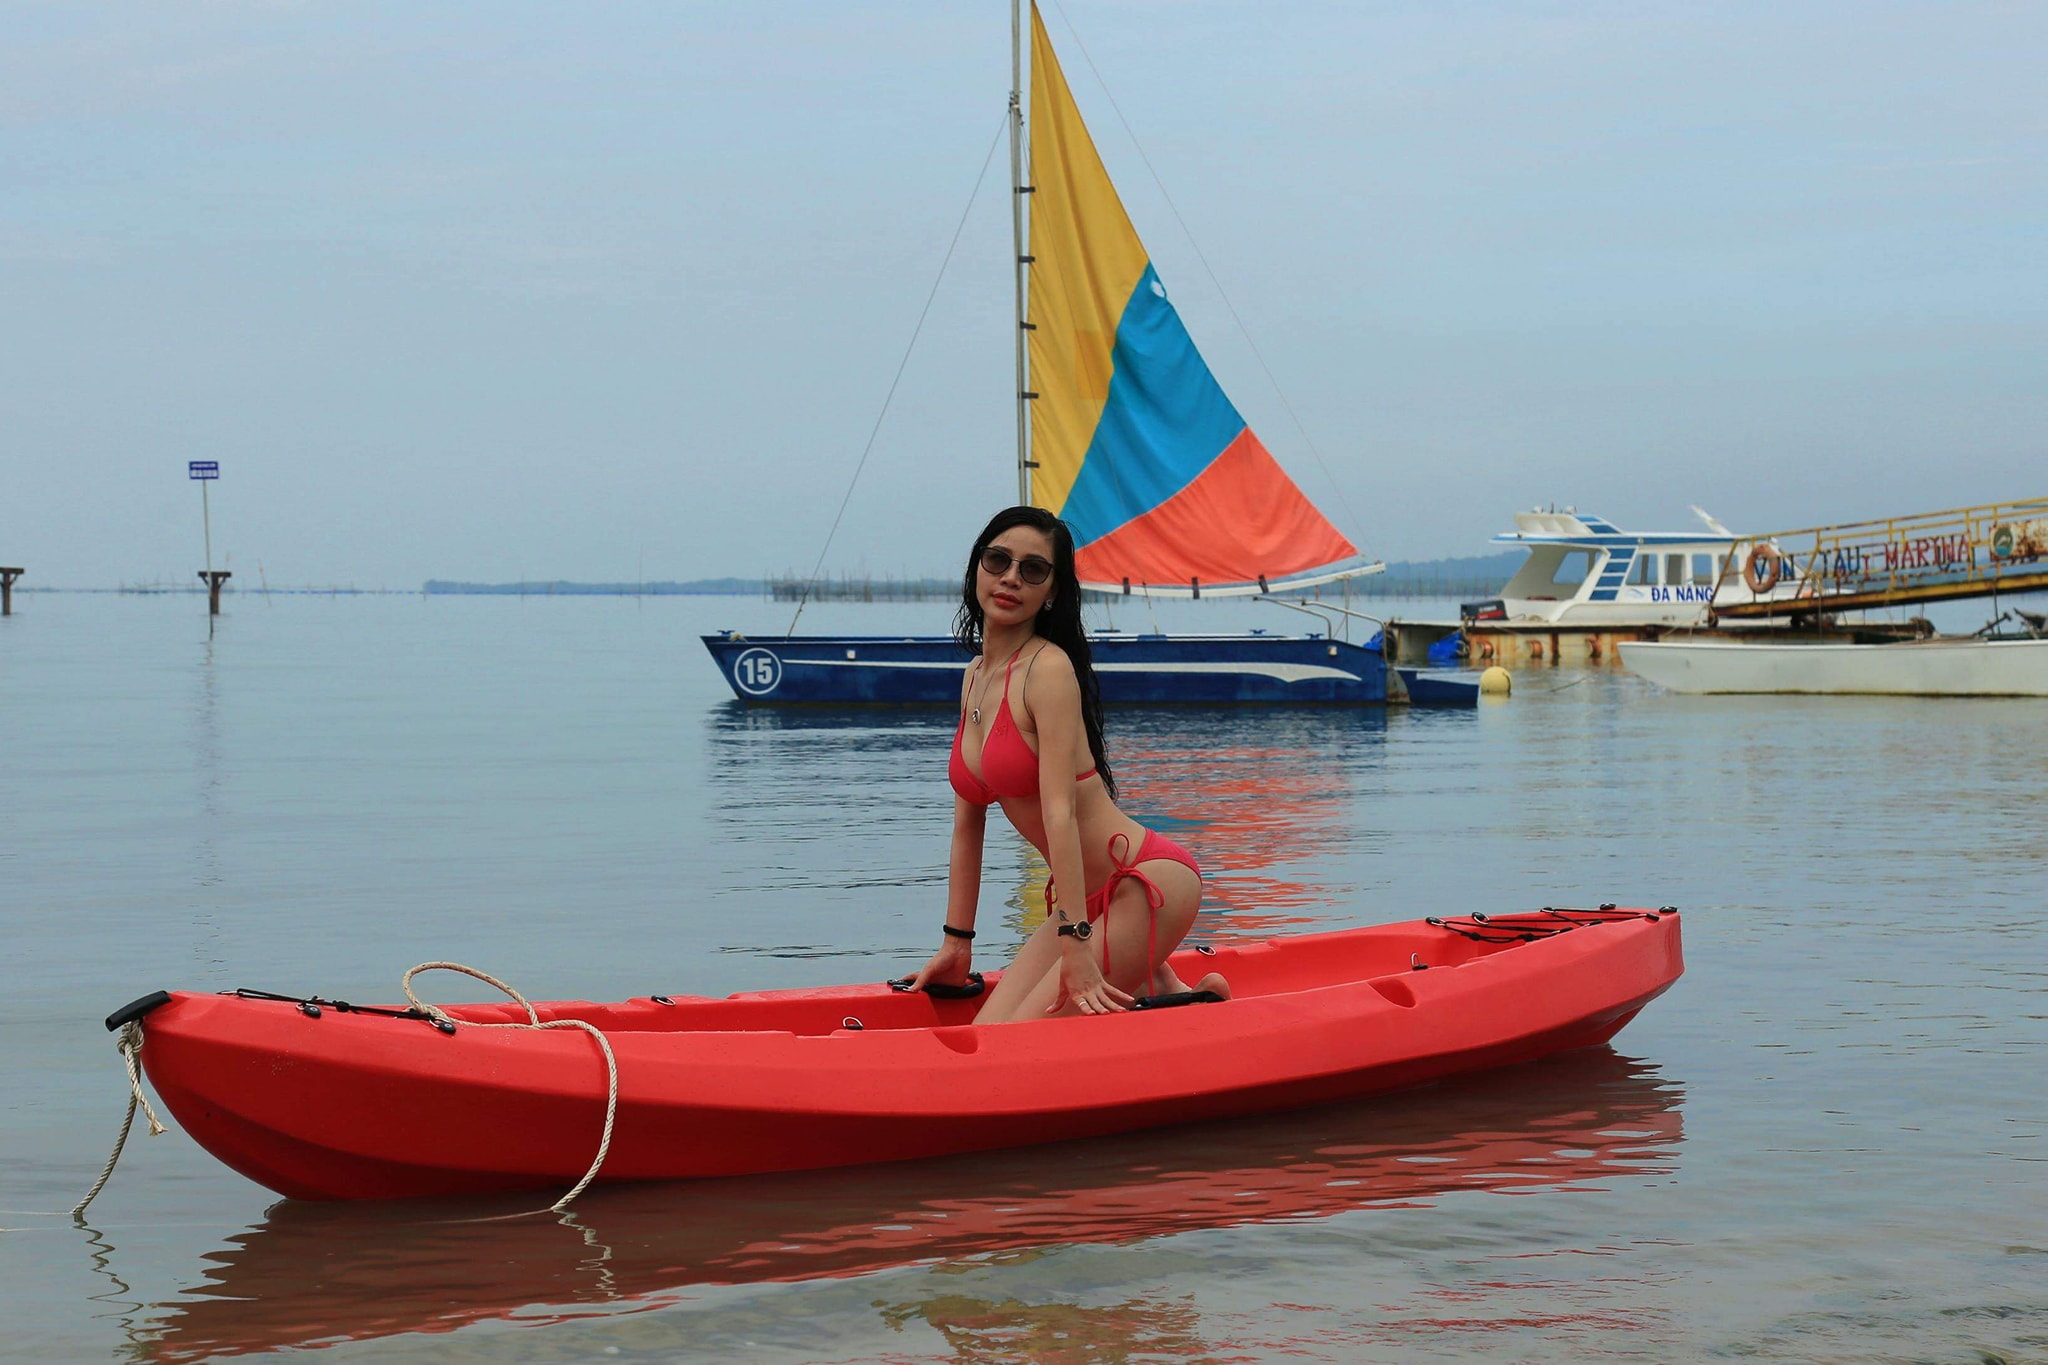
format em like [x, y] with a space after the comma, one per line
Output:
[1030, 737]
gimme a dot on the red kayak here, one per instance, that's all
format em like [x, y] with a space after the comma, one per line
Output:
[320, 1100]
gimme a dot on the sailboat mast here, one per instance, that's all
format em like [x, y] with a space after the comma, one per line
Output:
[1017, 192]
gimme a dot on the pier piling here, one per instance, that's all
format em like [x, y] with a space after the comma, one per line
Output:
[7, 577]
[213, 578]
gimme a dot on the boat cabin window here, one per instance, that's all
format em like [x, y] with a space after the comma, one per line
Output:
[1643, 572]
[1572, 569]
[1674, 569]
[1705, 568]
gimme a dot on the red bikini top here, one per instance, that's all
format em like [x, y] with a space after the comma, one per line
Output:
[1009, 770]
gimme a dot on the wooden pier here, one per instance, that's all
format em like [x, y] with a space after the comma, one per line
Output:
[1525, 644]
[1517, 644]
[1986, 551]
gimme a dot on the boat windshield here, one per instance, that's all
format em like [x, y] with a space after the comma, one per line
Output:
[1550, 572]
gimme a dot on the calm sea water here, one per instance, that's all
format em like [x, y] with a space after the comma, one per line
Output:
[1826, 1143]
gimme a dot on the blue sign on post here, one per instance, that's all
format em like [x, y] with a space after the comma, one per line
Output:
[204, 469]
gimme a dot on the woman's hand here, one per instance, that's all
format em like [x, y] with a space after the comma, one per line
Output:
[1082, 981]
[948, 966]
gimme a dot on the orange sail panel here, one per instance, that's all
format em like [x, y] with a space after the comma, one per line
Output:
[1137, 447]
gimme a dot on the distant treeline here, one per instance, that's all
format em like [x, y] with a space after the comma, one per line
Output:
[1471, 577]
[865, 588]
[1480, 576]
[258, 589]
[706, 587]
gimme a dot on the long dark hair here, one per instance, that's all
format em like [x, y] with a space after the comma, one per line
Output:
[1060, 622]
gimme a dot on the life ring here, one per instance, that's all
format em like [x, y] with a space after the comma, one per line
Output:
[1762, 569]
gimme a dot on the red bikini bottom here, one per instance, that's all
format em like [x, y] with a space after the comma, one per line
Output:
[1155, 846]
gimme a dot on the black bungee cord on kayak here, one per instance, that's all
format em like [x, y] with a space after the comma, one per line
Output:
[311, 1005]
[1548, 922]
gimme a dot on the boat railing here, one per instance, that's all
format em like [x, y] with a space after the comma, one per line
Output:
[1322, 611]
[1319, 611]
[1981, 551]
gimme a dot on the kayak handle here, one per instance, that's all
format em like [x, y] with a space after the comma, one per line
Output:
[938, 990]
[1176, 998]
[135, 1009]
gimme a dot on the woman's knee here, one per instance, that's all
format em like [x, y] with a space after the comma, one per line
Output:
[1038, 955]
[1134, 936]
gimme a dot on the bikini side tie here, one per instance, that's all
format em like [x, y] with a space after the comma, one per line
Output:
[1125, 869]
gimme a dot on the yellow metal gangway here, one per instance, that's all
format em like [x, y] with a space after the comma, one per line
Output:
[1999, 547]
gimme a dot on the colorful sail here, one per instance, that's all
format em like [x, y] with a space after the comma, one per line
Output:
[1137, 447]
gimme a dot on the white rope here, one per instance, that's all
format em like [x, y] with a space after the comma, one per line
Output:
[533, 1020]
[901, 366]
[129, 1043]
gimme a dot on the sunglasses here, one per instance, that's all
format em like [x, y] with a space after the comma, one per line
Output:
[996, 561]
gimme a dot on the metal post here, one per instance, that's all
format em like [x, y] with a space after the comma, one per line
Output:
[1017, 191]
[205, 471]
[7, 577]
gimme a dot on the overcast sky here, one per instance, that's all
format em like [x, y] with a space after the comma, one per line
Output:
[610, 291]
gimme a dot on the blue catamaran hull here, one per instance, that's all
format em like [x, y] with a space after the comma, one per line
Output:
[1214, 670]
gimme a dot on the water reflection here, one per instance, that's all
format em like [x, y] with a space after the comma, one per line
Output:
[312, 1273]
[120, 1301]
[986, 1331]
[824, 803]
[1267, 800]
[207, 944]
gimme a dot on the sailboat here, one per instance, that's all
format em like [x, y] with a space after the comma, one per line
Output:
[1123, 432]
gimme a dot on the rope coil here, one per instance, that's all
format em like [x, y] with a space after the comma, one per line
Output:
[129, 1043]
[533, 1021]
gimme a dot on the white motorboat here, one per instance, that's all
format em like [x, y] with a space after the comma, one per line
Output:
[1588, 585]
[1586, 573]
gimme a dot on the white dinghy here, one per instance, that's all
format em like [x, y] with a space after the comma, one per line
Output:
[1945, 666]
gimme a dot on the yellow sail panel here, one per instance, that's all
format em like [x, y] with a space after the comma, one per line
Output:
[1087, 263]
[1138, 448]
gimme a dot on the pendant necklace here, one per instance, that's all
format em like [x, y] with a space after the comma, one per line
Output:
[981, 688]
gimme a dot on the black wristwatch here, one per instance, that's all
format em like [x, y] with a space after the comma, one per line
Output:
[1081, 930]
